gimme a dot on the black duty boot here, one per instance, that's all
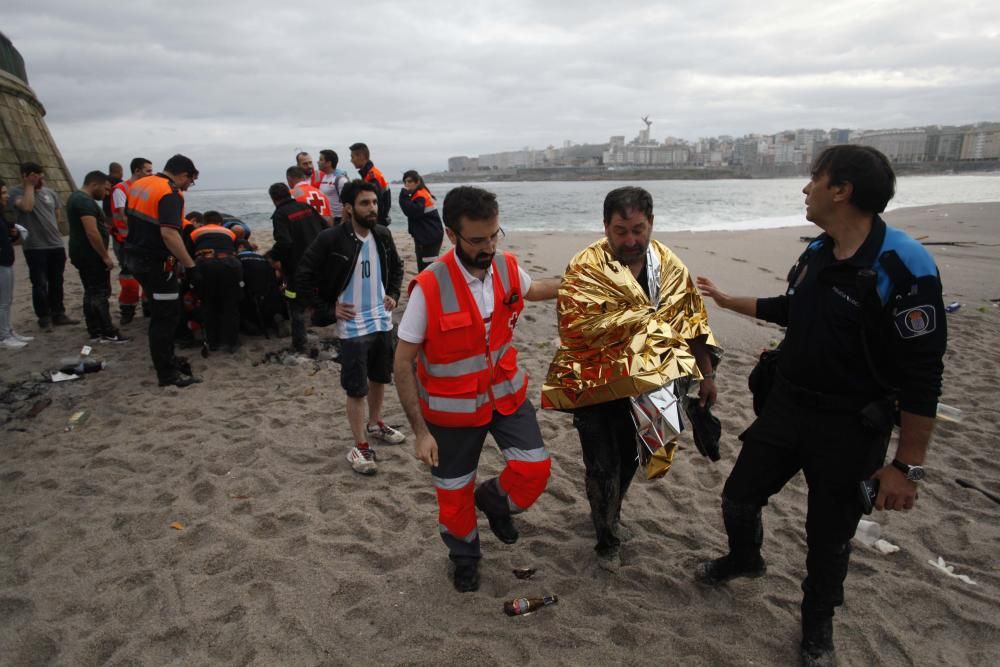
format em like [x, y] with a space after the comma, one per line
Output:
[746, 535]
[817, 642]
[466, 576]
[488, 500]
[721, 570]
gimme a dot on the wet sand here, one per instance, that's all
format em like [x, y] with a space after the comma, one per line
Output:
[280, 555]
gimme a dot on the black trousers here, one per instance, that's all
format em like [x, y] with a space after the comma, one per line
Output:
[426, 254]
[607, 439]
[220, 292]
[835, 452]
[96, 281]
[159, 282]
[45, 270]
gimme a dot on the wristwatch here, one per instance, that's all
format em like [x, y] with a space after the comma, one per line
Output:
[913, 473]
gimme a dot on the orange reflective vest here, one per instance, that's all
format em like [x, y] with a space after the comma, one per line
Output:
[144, 197]
[429, 204]
[210, 236]
[307, 194]
[461, 377]
[374, 175]
[119, 227]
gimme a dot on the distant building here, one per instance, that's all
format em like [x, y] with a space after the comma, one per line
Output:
[982, 143]
[907, 145]
[839, 136]
[462, 163]
[944, 143]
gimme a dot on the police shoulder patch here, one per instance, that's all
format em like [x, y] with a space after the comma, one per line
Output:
[916, 321]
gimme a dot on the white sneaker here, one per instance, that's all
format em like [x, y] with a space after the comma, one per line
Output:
[362, 460]
[23, 339]
[386, 434]
[12, 343]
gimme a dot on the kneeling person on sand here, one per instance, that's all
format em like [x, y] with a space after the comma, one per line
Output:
[356, 265]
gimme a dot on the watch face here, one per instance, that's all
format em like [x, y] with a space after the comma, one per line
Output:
[916, 473]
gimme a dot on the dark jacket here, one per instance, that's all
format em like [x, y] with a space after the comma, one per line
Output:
[371, 174]
[296, 226]
[328, 263]
[423, 219]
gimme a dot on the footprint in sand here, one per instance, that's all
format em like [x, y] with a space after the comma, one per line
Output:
[764, 269]
[738, 259]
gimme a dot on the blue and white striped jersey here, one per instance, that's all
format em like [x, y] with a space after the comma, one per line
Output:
[366, 293]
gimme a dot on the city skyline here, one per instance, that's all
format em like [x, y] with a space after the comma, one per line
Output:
[240, 86]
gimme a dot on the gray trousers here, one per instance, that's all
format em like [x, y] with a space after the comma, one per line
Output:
[6, 299]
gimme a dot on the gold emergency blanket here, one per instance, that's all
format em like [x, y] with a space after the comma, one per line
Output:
[613, 342]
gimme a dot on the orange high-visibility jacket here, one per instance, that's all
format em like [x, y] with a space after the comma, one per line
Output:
[462, 377]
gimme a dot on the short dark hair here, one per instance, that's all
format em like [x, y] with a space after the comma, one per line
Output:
[111, 167]
[628, 199]
[279, 192]
[194, 216]
[349, 194]
[330, 156]
[213, 218]
[180, 164]
[467, 201]
[95, 177]
[28, 168]
[295, 172]
[866, 169]
[300, 154]
[362, 148]
[138, 163]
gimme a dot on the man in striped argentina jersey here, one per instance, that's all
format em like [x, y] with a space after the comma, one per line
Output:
[355, 264]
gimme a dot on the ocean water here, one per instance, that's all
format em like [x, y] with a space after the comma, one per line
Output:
[677, 205]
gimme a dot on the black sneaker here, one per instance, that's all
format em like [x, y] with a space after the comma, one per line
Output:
[45, 323]
[113, 338]
[62, 320]
[179, 380]
[127, 315]
[721, 570]
[466, 577]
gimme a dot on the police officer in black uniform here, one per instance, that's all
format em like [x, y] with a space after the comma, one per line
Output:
[865, 333]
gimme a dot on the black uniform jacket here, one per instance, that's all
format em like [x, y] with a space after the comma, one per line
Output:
[328, 263]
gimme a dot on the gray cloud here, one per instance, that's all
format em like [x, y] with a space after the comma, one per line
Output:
[241, 85]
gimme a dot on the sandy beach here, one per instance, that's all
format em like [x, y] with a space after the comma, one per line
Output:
[221, 524]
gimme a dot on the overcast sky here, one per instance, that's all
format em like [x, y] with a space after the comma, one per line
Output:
[240, 86]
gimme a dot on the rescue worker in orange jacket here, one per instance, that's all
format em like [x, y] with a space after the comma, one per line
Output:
[361, 159]
[423, 220]
[152, 249]
[129, 293]
[302, 191]
[458, 379]
[219, 287]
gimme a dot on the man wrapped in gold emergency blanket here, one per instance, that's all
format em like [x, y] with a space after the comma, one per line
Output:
[614, 343]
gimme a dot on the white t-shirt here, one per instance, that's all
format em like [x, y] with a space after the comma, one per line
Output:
[366, 293]
[413, 325]
[331, 184]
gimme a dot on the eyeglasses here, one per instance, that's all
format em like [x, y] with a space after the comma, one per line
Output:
[484, 240]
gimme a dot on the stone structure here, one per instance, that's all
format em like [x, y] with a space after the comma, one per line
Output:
[24, 137]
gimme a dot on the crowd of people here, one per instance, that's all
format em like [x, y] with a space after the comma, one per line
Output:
[864, 343]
